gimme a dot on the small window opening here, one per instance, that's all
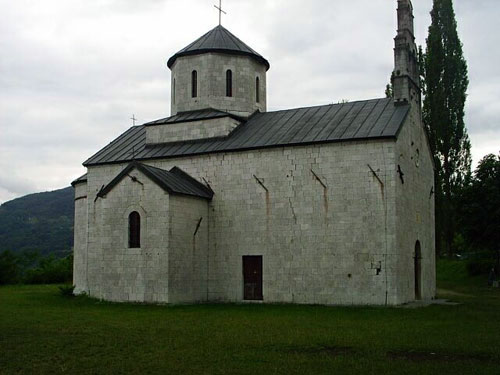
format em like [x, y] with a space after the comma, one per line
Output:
[134, 230]
[257, 90]
[194, 84]
[229, 83]
[173, 92]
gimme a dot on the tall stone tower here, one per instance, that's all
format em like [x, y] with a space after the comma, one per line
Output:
[218, 71]
[406, 76]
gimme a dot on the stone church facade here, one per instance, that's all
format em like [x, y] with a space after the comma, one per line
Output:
[223, 201]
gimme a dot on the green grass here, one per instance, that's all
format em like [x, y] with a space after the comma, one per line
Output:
[42, 332]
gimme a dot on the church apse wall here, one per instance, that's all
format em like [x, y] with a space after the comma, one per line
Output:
[415, 212]
[116, 270]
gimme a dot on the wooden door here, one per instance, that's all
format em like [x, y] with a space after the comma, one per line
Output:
[252, 277]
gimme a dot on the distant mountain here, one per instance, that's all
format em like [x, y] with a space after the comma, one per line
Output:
[40, 222]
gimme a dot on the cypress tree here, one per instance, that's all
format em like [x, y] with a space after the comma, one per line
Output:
[445, 87]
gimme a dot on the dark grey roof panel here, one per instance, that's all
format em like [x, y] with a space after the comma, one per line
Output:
[203, 114]
[378, 118]
[348, 120]
[220, 40]
[382, 122]
[394, 124]
[80, 180]
[314, 130]
[174, 181]
[329, 126]
[299, 133]
[359, 120]
[371, 120]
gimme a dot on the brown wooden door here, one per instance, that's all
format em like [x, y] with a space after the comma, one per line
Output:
[252, 277]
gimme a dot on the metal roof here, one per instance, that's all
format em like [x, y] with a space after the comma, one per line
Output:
[198, 115]
[221, 40]
[362, 120]
[175, 181]
[80, 180]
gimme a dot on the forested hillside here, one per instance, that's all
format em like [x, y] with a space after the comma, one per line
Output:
[41, 222]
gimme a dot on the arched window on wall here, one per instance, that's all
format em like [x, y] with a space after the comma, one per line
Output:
[194, 84]
[229, 83]
[134, 230]
[173, 91]
[257, 90]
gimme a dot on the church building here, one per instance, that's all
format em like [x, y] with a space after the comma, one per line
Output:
[223, 201]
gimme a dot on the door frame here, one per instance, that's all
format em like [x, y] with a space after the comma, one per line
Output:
[260, 282]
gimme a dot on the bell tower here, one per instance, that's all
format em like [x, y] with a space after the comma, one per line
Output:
[406, 76]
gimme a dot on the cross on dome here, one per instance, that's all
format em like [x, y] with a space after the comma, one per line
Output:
[220, 11]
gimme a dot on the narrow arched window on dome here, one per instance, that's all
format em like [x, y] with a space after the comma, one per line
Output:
[134, 230]
[173, 92]
[194, 84]
[257, 90]
[229, 83]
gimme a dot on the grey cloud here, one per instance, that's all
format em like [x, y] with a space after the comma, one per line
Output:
[73, 72]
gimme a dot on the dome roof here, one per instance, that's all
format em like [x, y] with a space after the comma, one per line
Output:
[221, 40]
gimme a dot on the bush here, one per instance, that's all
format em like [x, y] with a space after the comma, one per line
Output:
[67, 290]
[479, 267]
[51, 271]
[9, 268]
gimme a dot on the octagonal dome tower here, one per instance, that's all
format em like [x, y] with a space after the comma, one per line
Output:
[218, 71]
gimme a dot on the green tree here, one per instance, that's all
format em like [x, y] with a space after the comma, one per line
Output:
[480, 206]
[9, 268]
[445, 87]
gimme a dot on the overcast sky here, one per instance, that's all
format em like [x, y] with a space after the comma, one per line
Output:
[72, 72]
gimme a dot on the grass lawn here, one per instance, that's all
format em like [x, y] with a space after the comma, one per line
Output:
[42, 332]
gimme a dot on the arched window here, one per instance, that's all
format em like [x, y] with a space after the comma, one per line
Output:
[257, 89]
[134, 230]
[229, 83]
[194, 84]
[173, 91]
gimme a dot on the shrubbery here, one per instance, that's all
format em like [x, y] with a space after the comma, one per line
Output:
[31, 268]
[479, 267]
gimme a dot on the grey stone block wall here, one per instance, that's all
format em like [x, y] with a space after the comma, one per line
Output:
[188, 254]
[194, 130]
[328, 237]
[415, 210]
[211, 69]
[115, 271]
[80, 239]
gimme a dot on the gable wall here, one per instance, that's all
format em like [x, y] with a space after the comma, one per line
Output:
[415, 209]
[117, 272]
[319, 245]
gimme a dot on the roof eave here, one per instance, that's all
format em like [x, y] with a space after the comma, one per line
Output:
[235, 150]
[258, 58]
